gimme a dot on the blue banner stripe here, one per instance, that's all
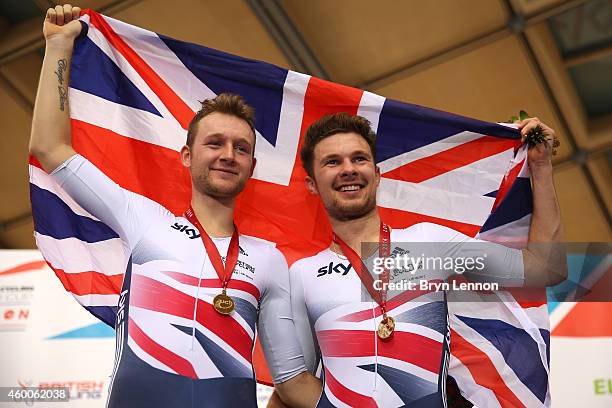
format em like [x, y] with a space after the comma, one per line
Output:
[404, 127]
[53, 217]
[107, 314]
[517, 204]
[261, 84]
[520, 351]
[324, 402]
[92, 71]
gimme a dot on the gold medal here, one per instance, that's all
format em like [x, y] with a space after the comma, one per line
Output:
[386, 327]
[387, 324]
[223, 303]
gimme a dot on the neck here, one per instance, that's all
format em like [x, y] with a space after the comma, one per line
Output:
[357, 231]
[215, 214]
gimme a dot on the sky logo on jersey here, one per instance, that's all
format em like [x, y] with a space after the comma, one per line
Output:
[334, 268]
[191, 233]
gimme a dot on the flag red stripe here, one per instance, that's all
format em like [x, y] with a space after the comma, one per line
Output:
[451, 159]
[528, 304]
[507, 183]
[257, 215]
[214, 283]
[409, 347]
[153, 295]
[90, 283]
[346, 395]
[259, 365]
[143, 168]
[177, 363]
[483, 371]
[528, 297]
[404, 219]
[34, 162]
[175, 105]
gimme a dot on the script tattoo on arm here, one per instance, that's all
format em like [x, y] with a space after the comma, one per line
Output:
[62, 90]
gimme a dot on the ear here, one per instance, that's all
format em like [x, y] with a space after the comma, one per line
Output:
[311, 185]
[186, 156]
[377, 177]
[253, 166]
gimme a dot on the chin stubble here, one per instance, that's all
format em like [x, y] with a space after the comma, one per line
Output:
[206, 186]
[347, 213]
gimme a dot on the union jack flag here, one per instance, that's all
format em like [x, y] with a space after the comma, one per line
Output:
[132, 95]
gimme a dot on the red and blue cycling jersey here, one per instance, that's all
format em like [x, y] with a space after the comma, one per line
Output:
[173, 348]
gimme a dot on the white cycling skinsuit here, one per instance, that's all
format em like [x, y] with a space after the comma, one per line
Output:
[173, 348]
[337, 323]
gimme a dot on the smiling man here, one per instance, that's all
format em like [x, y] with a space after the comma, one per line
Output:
[393, 352]
[194, 289]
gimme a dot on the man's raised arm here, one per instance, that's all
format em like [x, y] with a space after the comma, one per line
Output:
[50, 140]
[544, 257]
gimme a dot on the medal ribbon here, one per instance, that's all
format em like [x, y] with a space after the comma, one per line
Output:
[224, 273]
[384, 250]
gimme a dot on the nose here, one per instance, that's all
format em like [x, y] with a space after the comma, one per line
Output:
[227, 153]
[348, 168]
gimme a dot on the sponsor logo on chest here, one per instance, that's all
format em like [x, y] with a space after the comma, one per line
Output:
[192, 233]
[334, 268]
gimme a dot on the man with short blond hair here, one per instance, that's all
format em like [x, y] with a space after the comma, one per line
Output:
[195, 289]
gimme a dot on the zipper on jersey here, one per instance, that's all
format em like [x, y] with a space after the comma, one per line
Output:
[374, 304]
[195, 306]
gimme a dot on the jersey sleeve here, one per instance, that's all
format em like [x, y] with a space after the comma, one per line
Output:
[127, 213]
[500, 264]
[276, 330]
[303, 328]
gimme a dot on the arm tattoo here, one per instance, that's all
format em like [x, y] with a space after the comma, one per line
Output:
[61, 68]
[62, 65]
[63, 95]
